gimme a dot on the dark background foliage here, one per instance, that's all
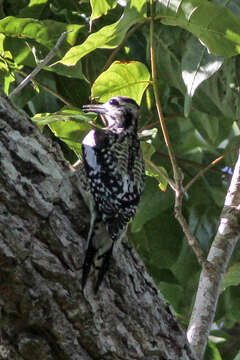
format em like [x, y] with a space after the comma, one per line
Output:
[200, 99]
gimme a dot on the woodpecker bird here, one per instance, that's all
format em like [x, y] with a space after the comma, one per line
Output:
[113, 180]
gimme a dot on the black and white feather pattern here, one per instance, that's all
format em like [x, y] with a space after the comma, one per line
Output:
[114, 169]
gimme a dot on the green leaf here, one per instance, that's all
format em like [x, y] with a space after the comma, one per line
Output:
[197, 66]
[160, 240]
[212, 352]
[171, 292]
[45, 32]
[2, 38]
[147, 210]
[100, 8]
[66, 114]
[169, 68]
[122, 78]
[69, 71]
[232, 277]
[70, 125]
[34, 9]
[220, 32]
[109, 36]
[212, 129]
[148, 150]
[8, 79]
[202, 222]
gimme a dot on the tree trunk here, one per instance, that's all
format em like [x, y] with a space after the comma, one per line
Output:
[43, 225]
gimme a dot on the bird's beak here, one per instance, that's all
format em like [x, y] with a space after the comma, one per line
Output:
[98, 109]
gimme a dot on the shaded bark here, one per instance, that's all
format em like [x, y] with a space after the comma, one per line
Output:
[43, 225]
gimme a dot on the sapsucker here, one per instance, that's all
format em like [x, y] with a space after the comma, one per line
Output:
[113, 180]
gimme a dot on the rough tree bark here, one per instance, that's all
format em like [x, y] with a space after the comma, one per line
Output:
[43, 223]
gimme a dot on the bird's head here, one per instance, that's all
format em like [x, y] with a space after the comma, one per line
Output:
[119, 114]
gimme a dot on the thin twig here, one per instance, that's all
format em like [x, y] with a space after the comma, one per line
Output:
[192, 241]
[190, 163]
[208, 167]
[41, 64]
[201, 172]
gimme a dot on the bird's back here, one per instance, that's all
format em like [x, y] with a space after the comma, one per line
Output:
[116, 180]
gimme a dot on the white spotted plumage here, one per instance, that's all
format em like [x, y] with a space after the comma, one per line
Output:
[114, 177]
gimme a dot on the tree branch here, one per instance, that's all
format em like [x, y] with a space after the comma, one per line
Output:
[185, 227]
[219, 255]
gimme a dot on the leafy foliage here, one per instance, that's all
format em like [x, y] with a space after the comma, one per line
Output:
[200, 99]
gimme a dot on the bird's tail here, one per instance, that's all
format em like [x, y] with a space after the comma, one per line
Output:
[98, 254]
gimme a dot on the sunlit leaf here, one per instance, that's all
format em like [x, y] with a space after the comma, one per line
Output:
[212, 352]
[34, 9]
[122, 78]
[70, 125]
[232, 276]
[66, 114]
[109, 36]
[100, 8]
[148, 150]
[220, 33]
[197, 66]
[45, 32]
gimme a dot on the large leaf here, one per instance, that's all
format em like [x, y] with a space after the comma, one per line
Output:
[45, 32]
[169, 67]
[212, 352]
[197, 66]
[34, 9]
[70, 125]
[109, 36]
[160, 240]
[147, 209]
[212, 129]
[220, 32]
[100, 8]
[66, 114]
[122, 78]
[232, 277]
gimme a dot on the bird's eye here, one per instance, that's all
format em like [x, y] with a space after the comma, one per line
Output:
[113, 102]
